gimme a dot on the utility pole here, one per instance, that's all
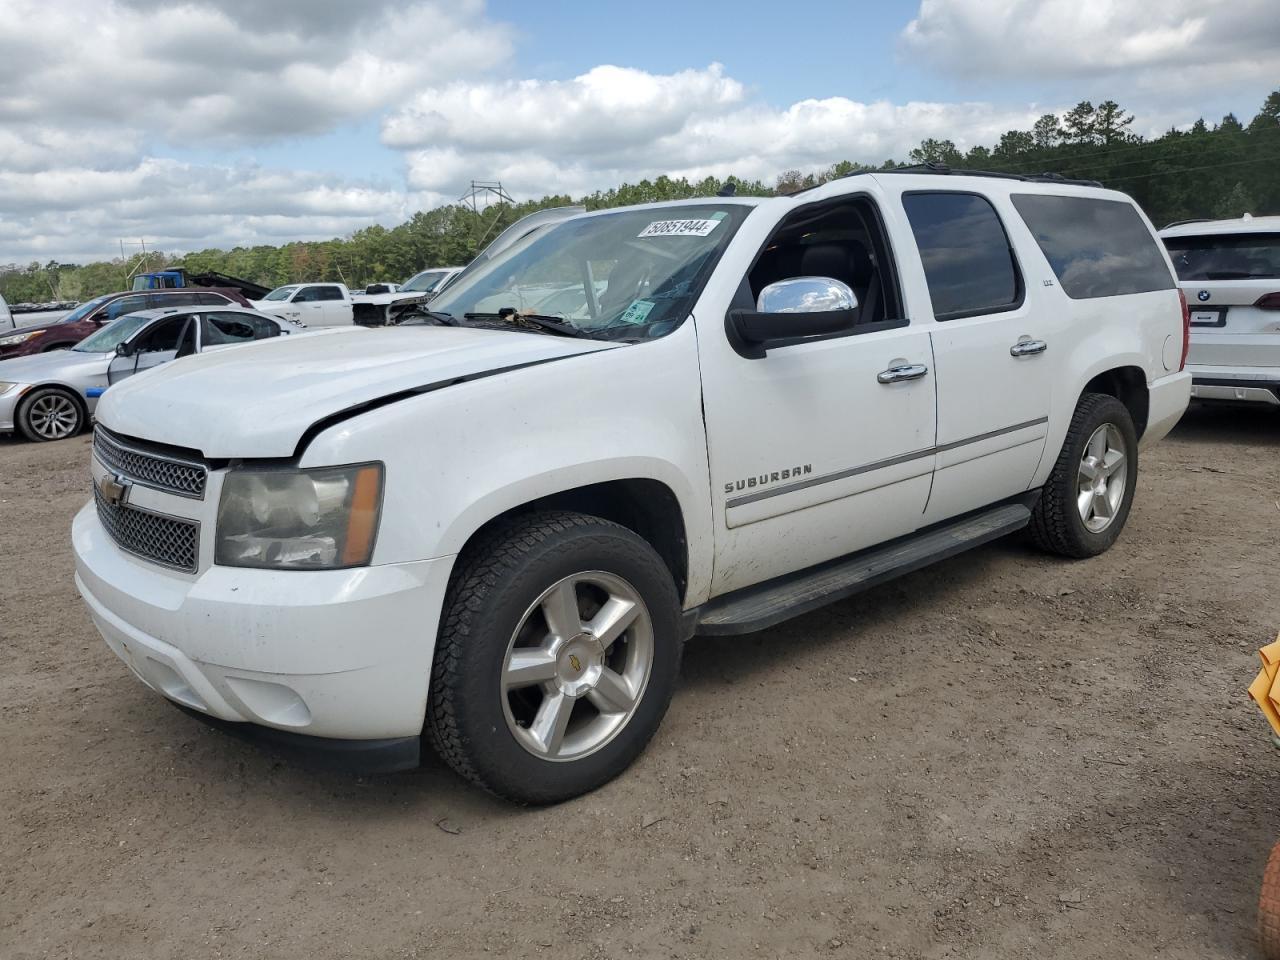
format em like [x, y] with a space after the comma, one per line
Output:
[483, 193]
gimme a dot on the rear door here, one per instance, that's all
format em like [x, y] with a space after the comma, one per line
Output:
[993, 344]
[1232, 285]
[224, 328]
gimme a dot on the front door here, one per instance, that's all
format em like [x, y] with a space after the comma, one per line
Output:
[163, 341]
[817, 450]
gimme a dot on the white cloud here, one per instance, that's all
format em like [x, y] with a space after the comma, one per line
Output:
[228, 71]
[613, 124]
[79, 214]
[1159, 46]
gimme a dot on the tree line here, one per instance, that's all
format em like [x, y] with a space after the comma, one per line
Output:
[1219, 170]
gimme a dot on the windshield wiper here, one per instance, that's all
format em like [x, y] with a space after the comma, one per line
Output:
[551, 324]
[447, 319]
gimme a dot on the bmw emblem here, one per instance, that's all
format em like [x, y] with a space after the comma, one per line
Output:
[1202, 296]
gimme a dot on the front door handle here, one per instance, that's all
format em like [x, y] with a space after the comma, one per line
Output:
[907, 371]
[1028, 348]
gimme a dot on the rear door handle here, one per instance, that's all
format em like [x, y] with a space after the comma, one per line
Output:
[1028, 348]
[907, 371]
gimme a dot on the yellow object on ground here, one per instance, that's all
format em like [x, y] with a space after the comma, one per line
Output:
[1264, 690]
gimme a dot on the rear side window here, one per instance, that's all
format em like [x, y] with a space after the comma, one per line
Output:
[229, 327]
[1244, 256]
[328, 293]
[967, 260]
[1097, 248]
[211, 300]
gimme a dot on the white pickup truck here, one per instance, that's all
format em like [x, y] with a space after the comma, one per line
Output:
[333, 305]
[496, 526]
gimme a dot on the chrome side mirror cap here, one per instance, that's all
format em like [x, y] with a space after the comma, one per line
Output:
[806, 295]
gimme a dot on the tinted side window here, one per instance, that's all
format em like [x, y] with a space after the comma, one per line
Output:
[182, 299]
[328, 293]
[308, 295]
[236, 328]
[211, 300]
[1097, 248]
[118, 308]
[967, 261]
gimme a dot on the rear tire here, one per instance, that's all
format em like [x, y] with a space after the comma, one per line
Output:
[558, 652]
[1086, 500]
[50, 413]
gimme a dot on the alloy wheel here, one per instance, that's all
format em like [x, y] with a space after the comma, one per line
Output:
[53, 416]
[1102, 478]
[577, 666]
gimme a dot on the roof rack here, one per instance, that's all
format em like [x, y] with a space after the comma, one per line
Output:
[941, 168]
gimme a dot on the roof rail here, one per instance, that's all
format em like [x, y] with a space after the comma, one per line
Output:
[935, 167]
[1181, 223]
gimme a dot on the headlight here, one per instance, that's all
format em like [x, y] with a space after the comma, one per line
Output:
[18, 338]
[288, 519]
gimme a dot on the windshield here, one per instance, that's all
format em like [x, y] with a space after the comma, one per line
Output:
[424, 282]
[1242, 256]
[281, 293]
[629, 274]
[118, 331]
[82, 311]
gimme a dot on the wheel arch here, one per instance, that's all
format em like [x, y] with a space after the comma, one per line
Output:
[1128, 384]
[647, 507]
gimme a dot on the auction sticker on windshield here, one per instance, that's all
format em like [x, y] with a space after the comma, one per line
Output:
[682, 228]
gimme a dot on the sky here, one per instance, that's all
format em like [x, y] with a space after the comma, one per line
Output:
[217, 123]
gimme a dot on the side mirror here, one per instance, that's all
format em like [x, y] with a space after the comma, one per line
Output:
[792, 310]
[124, 350]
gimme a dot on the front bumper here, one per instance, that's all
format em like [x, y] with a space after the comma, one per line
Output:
[9, 408]
[342, 654]
[1167, 400]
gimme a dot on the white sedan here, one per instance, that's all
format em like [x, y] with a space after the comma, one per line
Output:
[50, 396]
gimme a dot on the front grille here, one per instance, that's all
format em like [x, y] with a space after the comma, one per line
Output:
[173, 475]
[168, 541]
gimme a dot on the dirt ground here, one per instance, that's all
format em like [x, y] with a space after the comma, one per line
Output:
[1002, 756]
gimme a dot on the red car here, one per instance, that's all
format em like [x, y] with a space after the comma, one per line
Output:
[69, 330]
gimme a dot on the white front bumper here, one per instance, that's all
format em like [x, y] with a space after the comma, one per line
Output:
[344, 654]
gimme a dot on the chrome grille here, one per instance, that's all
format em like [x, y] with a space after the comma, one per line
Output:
[168, 541]
[182, 477]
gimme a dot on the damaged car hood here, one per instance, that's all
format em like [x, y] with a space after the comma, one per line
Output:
[258, 400]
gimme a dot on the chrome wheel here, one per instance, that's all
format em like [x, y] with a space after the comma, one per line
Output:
[1102, 478]
[577, 666]
[53, 416]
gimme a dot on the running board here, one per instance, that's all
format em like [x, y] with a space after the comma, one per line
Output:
[758, 607]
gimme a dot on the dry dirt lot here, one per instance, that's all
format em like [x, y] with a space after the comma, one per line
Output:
[1002, 756]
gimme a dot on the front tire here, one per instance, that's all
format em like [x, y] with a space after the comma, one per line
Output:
[1086, 500]
[50, 414]
[558, 652]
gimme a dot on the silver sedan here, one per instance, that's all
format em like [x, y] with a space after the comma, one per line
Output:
[50, 396]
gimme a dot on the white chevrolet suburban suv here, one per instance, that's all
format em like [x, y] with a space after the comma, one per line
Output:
[1229, 271]
[497, 527]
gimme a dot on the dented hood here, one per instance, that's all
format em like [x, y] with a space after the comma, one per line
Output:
[258, 400]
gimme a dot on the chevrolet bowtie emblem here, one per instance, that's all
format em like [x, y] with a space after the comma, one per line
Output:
[575, 662]
[114, 489]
